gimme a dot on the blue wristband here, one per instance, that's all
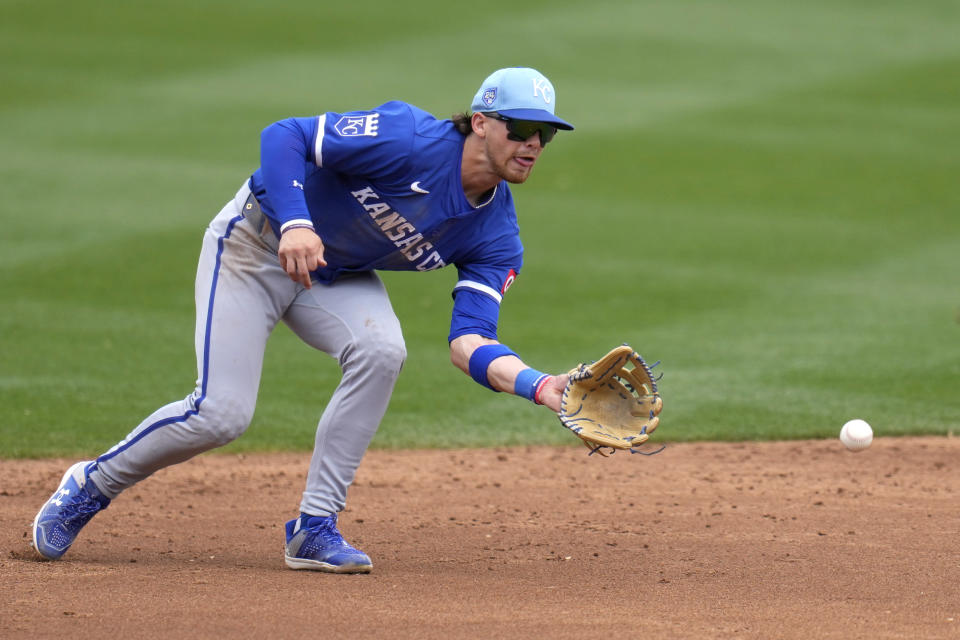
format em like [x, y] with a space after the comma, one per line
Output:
[481, 358]
[528, 384]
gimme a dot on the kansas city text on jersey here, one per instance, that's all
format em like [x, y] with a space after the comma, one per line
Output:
[399, 231]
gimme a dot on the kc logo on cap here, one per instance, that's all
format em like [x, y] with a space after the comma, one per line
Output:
[542, 86]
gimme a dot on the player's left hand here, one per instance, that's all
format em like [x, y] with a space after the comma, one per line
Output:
[553, 391]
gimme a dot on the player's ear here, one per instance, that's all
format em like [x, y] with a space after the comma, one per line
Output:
[479, 121]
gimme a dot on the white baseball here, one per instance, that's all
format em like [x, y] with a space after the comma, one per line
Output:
[856, 435]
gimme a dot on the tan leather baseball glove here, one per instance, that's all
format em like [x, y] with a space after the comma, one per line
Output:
[612, 403]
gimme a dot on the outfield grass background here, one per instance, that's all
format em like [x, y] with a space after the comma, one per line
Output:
[762, 195]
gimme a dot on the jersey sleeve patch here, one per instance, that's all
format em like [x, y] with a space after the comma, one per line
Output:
[358, 124]
[511, 276]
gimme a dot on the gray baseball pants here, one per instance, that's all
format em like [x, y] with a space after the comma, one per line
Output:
[241, 294]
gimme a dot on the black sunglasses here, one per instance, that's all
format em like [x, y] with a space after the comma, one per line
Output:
[521, 130]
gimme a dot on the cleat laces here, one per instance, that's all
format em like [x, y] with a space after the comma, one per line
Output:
[78, 511]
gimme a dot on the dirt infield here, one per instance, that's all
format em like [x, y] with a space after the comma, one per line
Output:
[783, 540]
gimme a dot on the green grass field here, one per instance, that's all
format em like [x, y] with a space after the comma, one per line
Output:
[762, 195]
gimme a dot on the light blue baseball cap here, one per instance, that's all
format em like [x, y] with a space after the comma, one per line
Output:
[520, 93]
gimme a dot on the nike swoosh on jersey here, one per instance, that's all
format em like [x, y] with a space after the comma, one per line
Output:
[415, 186]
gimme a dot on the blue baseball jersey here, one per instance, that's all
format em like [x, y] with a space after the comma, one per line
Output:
[382, 189]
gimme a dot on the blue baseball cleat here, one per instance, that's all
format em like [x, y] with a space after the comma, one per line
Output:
[313, 542]
[70, 507]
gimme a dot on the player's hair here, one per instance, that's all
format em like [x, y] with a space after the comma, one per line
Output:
[462, 122]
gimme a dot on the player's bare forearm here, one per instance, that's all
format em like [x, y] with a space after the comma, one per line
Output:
[300, 252]
[502, 372]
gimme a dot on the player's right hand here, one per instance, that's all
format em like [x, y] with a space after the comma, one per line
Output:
[300, 252]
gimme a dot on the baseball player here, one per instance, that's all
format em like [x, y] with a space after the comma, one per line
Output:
[336, 198]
